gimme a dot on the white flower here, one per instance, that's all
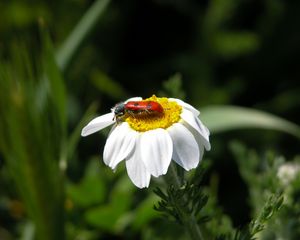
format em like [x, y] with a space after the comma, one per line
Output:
[287, 172]
[148, 142]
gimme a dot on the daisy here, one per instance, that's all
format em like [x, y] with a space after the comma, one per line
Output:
[148, 141]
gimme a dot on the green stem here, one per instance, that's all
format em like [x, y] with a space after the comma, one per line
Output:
[189, 221]
[87, 23]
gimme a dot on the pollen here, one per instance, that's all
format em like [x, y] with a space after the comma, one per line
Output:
[146, 122]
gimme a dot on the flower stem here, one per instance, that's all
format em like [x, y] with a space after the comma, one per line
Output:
[189, 220]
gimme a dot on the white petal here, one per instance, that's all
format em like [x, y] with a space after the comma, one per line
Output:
[185, 148]
[134, 99]
[97, 124]
[197, 125]
[199, 138]
[189, 117]
[119, 145]
[136, 169]
[201, 150]
[204, 130]
[186, 106]
[157, 150]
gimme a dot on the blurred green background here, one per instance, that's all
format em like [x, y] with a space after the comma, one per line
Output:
[209, 53]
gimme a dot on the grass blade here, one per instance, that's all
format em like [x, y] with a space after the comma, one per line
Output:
[32, 139]
[78, 35]
[225, 118]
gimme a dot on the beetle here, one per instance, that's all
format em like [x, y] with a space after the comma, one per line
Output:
[137, 109]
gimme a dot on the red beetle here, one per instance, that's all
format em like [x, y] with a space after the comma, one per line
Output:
[137, 109]
[143, 106]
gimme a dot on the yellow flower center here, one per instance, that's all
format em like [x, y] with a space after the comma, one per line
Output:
[146, 122]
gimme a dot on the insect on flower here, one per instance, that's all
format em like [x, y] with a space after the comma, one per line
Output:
[137, 109]
[149, 133]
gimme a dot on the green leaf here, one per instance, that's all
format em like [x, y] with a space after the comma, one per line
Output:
[108, 86]
[33, 137]
[225, 118]
[71, 45]
[111, 216]
[271, 207]
[145, 212]
[173, 87]
[233, 44]
[91, 190]
[27, 231]
[219, 13]
[54, 77]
